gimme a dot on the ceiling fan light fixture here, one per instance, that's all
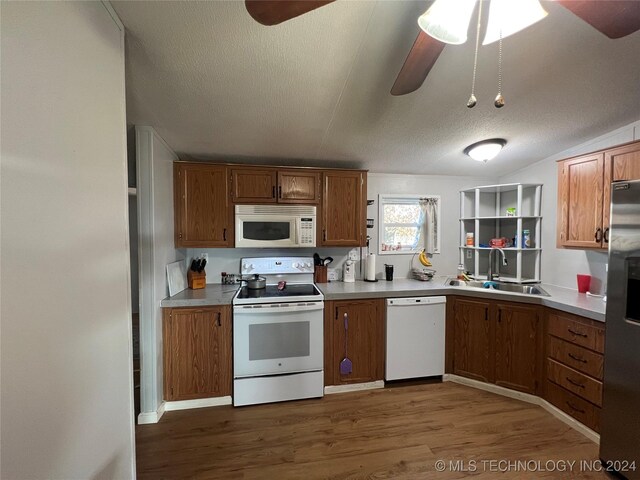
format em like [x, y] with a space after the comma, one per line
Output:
[448, 21]
[507, 17]
[485, 150]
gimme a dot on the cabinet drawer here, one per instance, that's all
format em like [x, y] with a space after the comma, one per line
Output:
[577, 332]
[576, 357]
[574, 381]
[583, 411]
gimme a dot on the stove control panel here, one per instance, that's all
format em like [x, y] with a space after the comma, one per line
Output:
[276, 265]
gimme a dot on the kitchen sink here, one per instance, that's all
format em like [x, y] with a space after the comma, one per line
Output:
[504, 287]
[469, 283]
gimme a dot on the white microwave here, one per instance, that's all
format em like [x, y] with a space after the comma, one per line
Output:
[275, 226]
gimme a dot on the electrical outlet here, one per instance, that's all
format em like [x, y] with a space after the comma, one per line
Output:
[353, 254]
[469, 253]
[205, 256]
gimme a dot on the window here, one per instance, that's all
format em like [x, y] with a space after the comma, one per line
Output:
[404, 221]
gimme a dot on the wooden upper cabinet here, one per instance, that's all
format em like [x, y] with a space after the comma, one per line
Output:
[472, 340]
[343, 209]
[275, 185]
[203, 215]
[519, 347]
[580, 194]
[298, 186]
[197, 352]
[584, 194]
[621, 163]
[253, 185]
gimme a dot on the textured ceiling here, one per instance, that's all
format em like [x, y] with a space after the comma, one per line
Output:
[315, 90]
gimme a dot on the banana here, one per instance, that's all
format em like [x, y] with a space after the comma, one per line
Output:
[424, 260]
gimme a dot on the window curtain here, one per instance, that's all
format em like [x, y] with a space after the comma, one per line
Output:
[429, 224]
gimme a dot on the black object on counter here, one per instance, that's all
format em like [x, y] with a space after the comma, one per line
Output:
[388, 272]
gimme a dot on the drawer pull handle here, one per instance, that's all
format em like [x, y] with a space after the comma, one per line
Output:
[577, 359]
[572, 382]
[573, 407]
[579, 334]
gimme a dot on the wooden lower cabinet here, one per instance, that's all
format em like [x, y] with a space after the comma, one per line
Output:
[583, 411]
[364, 340]
[574, 366]
[498, 342]
[197, 352]
[518, 347]
[472, 340]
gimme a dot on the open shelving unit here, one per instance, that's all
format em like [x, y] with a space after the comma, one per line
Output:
[483, 213]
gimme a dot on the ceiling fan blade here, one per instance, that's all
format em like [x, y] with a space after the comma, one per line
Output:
[614, 18]
[421, 58]
[273, 12]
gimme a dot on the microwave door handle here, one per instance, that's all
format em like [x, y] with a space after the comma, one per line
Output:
[296, 240]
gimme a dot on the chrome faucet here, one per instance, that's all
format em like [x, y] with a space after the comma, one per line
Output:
[490, 274]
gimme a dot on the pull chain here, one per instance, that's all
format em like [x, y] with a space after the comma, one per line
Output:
[499, 101]
[472, 99]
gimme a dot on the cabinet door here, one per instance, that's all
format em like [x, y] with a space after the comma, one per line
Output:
[197, 353]
[203, 215]
[518, 347]
[472, 340]
[298, 186]
[622, 163]
[253, 185]
[364, 340]
[343, 210]
[580, 190]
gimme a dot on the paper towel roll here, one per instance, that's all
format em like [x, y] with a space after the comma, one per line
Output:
[370, 270]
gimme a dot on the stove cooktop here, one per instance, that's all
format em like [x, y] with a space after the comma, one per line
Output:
[291, 292]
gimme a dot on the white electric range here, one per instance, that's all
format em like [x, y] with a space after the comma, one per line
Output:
[278, 333]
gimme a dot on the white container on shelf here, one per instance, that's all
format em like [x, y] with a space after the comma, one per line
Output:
[483, 215]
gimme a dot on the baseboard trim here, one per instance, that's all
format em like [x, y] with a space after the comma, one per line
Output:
[145, 418]
[197, 403]
[570, 421]
[354, 387]
[526, 397]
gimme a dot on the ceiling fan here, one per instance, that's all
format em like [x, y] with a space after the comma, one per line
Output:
[613, 18]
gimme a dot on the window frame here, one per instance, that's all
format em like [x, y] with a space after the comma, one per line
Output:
[386, 198]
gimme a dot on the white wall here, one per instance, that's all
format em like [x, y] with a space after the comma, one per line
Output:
[560, 266]
[448, 187]
[154, 168]
[67, 393]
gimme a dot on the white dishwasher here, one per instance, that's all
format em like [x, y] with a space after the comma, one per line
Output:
[415, 337]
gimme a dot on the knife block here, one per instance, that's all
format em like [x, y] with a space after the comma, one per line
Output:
[320, 274]
[196, 280]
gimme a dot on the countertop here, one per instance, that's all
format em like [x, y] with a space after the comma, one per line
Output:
[212, 294]
[560, 298]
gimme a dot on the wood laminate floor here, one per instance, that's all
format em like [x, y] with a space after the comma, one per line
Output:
[391, 433]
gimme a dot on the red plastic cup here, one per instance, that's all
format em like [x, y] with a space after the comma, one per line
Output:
[583, 283]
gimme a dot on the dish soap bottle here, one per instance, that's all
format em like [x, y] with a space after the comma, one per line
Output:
[461, 272]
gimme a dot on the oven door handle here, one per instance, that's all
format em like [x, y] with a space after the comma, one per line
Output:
[269, 308]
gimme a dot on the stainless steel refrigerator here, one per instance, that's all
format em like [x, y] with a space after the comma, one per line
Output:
[620, 423]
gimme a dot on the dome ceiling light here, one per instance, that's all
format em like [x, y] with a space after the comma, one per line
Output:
[485, 150]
